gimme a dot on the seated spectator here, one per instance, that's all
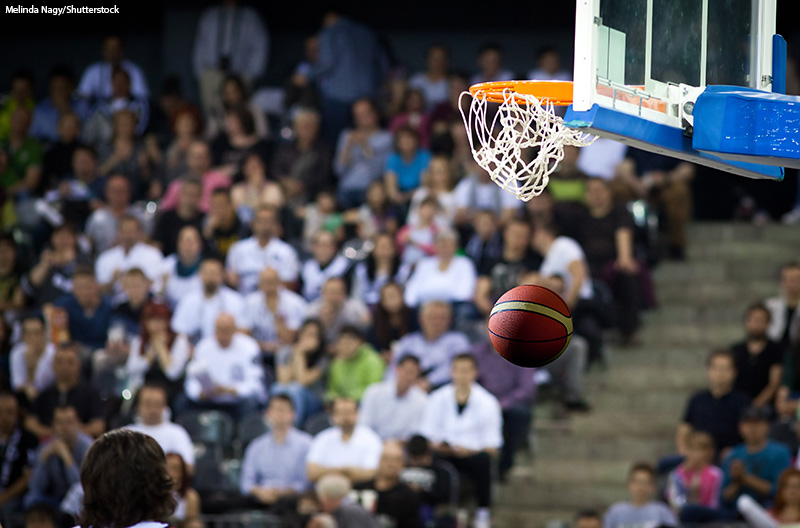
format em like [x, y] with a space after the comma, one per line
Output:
[346, 448]
[393, 407]
[548, 66]
[361, 154]
[300, 369]
[405, 165]
[79, 189]
[249, 256]
[51, 277]
[21, 173]
[696, 482]
[499, 275]
[463, 421]
[58, 159]
[224, 373]
[68, 388]
[759, 360]
[273, 312]
[640, 509]
[88, 310]
[434, 82]
[233, 94]
[188, 509]
[12, 296]
[434, 344]
[717, 409]
[445, 276]
[784, 324]
[754, 466]
[304, 163]
[19, 96]
[485, 243]
[99, 126]
[326, 261]
[393, 320]
[322, 215]
[413, 115]
[237, 140]
[19, 456]
[197, 311]
[31, 359]
[786, 509]
[377, 214]
[152, 420]
[588, 519]
[415, 241]
[335, 309]
[490, 65]
[381, 266]
[95, 82]
[435, 480]
[476, 191]
[126, 313]
[515, 389]
[102, 225]
[274, 464]
[437, 181]
[59, 459]
[355, 366]
[222, 227]
[186, 213]
[198, 163]
[333, 491]
[185, 131]
[395, 503]
[158, 355]
[130, 251]
[257, 187]
[181, 271]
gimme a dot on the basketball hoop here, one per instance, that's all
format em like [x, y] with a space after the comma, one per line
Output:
[521, 142]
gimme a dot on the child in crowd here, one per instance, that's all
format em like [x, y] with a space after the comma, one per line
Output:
[640, 509]
[416, 240]
[696, 480]
[405, 165]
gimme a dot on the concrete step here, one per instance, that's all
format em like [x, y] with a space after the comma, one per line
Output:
[691, 334]
[656, 401]
[697, 313]
[513, 517]
[703, 234]
[657, 356]
[590, 446]
[639, 380]
[739, 294]
[559, 495]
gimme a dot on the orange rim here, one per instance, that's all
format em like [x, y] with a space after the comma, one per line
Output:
[557, 93]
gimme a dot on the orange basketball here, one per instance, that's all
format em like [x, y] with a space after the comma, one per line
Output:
[530, 325]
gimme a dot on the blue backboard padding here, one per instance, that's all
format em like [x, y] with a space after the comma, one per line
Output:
[661, 139]
[778, 64]
[744, 122]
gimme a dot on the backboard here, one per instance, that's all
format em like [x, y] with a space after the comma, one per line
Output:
[642, 68]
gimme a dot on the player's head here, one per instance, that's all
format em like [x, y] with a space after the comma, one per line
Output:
[125, 481]
[641, 483]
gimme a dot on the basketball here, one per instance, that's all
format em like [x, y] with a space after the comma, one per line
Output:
[530, 326]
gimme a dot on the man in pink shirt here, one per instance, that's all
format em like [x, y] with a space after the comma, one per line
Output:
[198, 159]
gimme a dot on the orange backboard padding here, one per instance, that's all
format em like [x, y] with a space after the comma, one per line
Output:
[653, 103]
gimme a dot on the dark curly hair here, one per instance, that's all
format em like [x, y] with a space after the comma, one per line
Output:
[125, 481]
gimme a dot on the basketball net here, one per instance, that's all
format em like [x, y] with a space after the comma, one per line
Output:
[520, 142]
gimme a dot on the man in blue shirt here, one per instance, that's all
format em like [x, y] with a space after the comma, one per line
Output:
[274, 464]
[88, 311]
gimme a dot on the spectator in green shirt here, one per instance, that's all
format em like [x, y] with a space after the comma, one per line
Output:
[356, 365]
[20, 96]
[23, 167]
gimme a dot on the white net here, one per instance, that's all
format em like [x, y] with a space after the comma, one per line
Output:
[518, 143]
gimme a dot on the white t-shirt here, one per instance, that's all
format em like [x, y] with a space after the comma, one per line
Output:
[237, 366]
[313, 276]
[479, 426]
[389, 415]
[434, 92]
[42, 377]
[428, 282]
[171, 437]
[601, 158]
[363, 450]
[561, 254]
[248, 259]
[138, 366]
[176, 286]
[142, 256]
[196, 313]
[476, 195]
[261, 322]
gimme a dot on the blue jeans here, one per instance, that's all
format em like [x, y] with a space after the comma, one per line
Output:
[236, 410]
[305, 402]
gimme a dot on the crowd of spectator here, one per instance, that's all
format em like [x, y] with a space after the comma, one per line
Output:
[163, 259]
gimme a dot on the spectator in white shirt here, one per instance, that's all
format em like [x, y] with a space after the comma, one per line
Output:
[181, 270]
[434, 82]
[96, 80]
[274, 464]
[336, 310]
[445, 276]
[490, 65]
[273, 313]
[102, 225]
[197, 311]
[32, 359]
[225, 373]
[325, 262]
[152, 419]
[477, 191]
[464, 423]
[393, 407]
[248, 257]
[434, 344]
[548, 66]
[131, 251]
[346, 448]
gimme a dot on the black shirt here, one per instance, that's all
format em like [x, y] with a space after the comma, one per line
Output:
[397, 507]
[717, 416]
[17, 453]
[437, 483]
[169, 225]
[598, 236]
[83, 397]
[505, 274]
[753, 369]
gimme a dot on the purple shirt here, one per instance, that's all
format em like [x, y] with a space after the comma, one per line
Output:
[510, 384]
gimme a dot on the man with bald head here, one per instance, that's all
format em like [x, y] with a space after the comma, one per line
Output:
[198, 160]
[394, 501]
[225, 373]
[273, 313]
